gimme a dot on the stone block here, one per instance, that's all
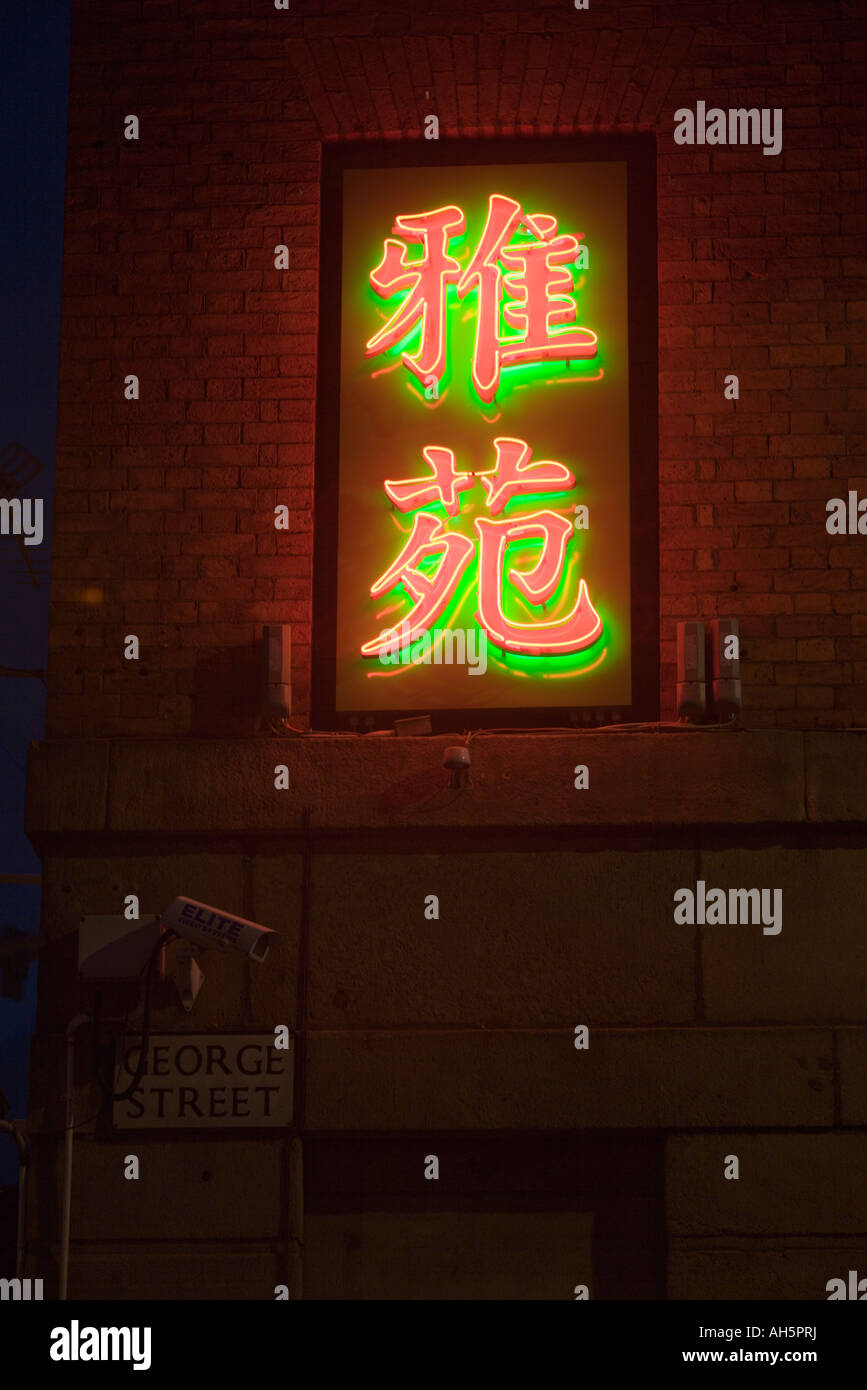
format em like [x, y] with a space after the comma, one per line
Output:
[837, 776]
[814, 969]
[152, 1271]
[785, 1268]
[191, 785]
[522, 940]
[463, 1254]
[67, 786]
[276, 904]
[189, 1187]
[799, 1184]
[635, 1078]
[852, 1062]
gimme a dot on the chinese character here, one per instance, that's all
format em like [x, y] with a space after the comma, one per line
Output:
[431, 593]
[535, 284]
[426, 280]
[514, 475]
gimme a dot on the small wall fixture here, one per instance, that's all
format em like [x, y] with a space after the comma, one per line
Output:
[691, 698]
[725, 666]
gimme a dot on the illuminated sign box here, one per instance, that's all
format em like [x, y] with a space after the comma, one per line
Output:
[486, 522]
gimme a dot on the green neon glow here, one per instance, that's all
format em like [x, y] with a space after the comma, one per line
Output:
[460, 613]
[460, 330]
[456, 384]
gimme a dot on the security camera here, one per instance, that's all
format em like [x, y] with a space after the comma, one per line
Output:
[208, 926]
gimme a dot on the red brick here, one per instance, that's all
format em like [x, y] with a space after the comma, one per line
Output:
[761, 269]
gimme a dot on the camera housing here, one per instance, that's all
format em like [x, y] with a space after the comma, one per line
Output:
[209, 926]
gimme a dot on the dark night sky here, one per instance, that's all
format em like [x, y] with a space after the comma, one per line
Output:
[33, 96]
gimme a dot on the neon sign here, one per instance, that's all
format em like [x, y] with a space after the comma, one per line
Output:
[476, 460]
[535, 284]
[514, 474]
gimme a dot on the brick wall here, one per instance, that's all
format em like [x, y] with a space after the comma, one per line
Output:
[164, 508]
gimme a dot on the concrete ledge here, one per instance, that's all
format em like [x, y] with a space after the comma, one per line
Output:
[227, 786]
[627, 1079]
[836, 776]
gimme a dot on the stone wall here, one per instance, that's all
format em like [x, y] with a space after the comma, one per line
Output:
[455, 1036]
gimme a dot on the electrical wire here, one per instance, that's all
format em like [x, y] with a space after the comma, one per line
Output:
[161, 941]
[643, 727]
[673, 726]
[109, 1093]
